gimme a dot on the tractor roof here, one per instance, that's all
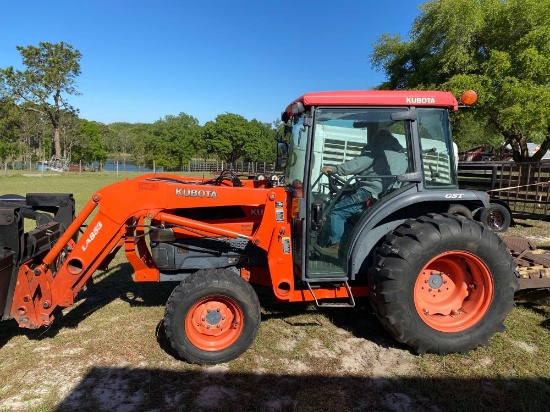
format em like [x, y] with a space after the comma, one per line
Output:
[380, 98]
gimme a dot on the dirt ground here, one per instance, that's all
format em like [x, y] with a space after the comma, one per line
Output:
[109, 353]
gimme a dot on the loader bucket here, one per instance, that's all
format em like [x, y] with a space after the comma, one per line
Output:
[11, 241]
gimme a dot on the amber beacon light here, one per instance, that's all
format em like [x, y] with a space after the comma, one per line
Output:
[469, 97]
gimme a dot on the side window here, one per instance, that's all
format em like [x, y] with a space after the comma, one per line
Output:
[438, 160]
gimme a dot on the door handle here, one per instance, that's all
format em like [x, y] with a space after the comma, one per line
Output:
[316, 215]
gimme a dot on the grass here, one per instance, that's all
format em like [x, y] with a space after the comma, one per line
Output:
[108, 352]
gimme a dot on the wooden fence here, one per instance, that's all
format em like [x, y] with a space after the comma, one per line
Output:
[524, 186]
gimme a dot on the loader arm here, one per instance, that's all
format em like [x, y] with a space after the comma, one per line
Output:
[123, 212]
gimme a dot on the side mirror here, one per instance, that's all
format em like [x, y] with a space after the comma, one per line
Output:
[282, 154]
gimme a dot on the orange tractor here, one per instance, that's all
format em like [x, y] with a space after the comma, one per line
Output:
[397, 230]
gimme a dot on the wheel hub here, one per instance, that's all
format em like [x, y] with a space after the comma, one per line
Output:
[435, 281]
[453, 291]
[439, 294]
[212, 318]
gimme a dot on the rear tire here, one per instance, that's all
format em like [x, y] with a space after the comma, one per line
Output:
[442, 284]
[212, 317]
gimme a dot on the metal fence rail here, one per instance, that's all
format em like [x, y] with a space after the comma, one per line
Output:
[238, 167]
[524, 186]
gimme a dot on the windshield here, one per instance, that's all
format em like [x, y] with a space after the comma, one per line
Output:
[342, 134]
[438, 153]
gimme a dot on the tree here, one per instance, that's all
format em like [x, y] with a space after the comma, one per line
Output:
[179, 139]
[143, 151]
[226, 136]
[10, 130]
[261, 143]
[500, 48]
[231, 137]
[121, 140]
[70, 133]
[50, 74]
[91, 138]
[34, 131]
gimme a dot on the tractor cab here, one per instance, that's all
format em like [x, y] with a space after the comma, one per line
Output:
[357, 162]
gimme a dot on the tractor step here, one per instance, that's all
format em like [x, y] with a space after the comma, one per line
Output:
[351, 303]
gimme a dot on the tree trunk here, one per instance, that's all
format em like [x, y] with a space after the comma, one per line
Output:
[57, 142]
[545, 145]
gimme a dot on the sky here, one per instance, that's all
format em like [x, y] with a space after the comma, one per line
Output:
[144, 60]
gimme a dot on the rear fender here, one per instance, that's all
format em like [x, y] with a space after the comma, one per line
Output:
[392, 211]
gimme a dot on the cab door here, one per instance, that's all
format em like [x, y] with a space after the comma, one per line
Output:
[337, 202]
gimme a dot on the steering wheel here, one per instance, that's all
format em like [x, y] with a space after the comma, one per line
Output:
[335, 182]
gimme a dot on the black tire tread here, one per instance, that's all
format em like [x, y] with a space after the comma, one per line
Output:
[394, 262]
[217, 279]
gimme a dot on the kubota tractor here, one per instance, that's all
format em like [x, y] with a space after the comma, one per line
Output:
[438, 281]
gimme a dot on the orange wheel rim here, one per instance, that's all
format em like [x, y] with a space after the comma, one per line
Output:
[214, 323]
[453, 291]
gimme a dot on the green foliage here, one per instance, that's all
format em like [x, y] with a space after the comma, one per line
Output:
[232, 138]
[500, 48]
[177, 139]
[50, 74]
[9, 129]
[226, 136]
[91, 149]
[121, 139]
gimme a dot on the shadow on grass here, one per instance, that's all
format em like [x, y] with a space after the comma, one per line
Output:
[135, 389]
[360, 320]
[115, 283]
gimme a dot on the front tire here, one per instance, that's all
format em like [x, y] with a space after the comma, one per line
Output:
[442, 284]
[212, 317]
